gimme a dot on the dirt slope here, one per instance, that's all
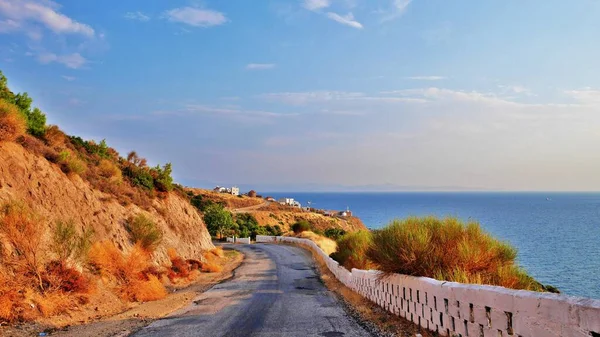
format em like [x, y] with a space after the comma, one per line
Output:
[55, 196]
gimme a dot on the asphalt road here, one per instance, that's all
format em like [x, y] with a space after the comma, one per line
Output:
[275, 292]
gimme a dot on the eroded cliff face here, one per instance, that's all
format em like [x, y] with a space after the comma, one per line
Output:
[28, 178]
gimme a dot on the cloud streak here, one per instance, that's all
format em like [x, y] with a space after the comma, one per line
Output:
[347, 20]
[196, 17]
[137, 16]
[260, 66]
[73, 61]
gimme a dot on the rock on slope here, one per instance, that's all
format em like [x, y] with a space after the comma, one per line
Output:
[57, 197]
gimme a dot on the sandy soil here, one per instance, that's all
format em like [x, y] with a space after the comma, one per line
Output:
[108, 316]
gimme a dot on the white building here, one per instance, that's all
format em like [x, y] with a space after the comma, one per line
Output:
[235, 190]
[286, 201]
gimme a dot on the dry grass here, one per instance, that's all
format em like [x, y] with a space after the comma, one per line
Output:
[211, 267]
[352, 250]
[450, 250]
[131, 272]
[218, 252]
[12, 123]
[326, 244]
[110, 171]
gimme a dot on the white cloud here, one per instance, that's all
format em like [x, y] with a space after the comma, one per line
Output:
[515, 89]
[68, 78]
[312, 97]
[73, 61]
[8, 26]
[26, 14]
[426, 78]
[586, 95]
[260, 66]
[347, 19]
[397, 9]
[196, 17]
[314, 5]
[138, 16]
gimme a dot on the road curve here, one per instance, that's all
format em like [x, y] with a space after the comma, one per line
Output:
[275, 292]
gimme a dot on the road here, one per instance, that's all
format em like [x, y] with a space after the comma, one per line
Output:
[275, 292]
[249, 208]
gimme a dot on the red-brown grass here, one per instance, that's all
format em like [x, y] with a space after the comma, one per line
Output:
[54, 136]
[34, 145]
[179, 267]
[59, 276]
[12, 122]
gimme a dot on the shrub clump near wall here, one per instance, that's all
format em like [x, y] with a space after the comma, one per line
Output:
[445, 249]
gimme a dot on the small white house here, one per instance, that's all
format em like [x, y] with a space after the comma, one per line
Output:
[286, 201]
[235, 190]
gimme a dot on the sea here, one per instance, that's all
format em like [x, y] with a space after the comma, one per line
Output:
[557, 234]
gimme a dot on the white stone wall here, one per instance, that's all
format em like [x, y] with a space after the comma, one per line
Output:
[243, 240]
[455, 309]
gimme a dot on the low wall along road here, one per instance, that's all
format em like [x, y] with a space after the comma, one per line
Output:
[455, 309]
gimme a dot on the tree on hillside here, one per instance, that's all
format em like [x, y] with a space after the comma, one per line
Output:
[218, 220]
[36, 120]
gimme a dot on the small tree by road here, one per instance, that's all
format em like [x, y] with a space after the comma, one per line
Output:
[218, 220]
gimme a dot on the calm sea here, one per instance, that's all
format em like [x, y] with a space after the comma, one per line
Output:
[557, 234]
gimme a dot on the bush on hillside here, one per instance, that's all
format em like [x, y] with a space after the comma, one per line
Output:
[334, 233]
[35, 120]
[12, 123]
[301, 226]
[352, 250]
[219, 221]
[448, 249]
[70, 163]
[68, 244]
[132, 272]
[144, 232]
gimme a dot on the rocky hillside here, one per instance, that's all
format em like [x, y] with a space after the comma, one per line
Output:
[56, 196]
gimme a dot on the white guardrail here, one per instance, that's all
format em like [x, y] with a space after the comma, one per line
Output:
[456, 309]
[239, 240]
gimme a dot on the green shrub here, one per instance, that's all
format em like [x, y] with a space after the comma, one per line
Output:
[163, 180]
[144, 231]
[352, 250]
[68, 244]
[218, 220]
[70, 163]
[448, 249]
[334, 233]
[35, 120]
[301, 226]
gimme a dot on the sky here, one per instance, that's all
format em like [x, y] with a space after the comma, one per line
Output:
[340, 95]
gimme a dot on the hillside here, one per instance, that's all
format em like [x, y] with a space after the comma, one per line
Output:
[56, 196]
[273, 214]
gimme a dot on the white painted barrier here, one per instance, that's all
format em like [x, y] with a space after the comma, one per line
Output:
[455, 309]
[239, 240]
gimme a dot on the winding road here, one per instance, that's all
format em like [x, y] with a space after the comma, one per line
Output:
[275, 292]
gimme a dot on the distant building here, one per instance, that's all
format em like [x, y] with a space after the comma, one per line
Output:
[286, 201]
[234, 190]
[271, 199]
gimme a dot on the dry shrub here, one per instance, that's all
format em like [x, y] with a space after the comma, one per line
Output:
[144, 232]
[218, 252]
[131, 272]
[21, 228]
[36, 146]
[54, 136]
[70, 163]
[326, 244]
[53, 303]
[448, 249]
[352, 250]
[59, 276]
[12, 122]
[211, 267]
[179, 267]
[11, 299]
[110, 171]
[145, 290]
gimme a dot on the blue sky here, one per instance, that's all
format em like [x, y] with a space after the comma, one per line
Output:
[324, 94]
